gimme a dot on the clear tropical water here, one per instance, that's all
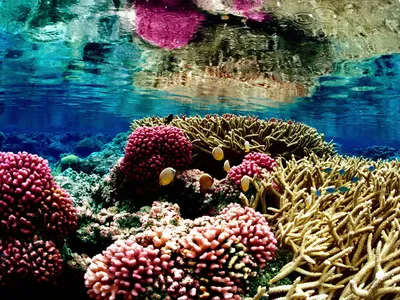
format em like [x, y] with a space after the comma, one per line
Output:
[75, 71]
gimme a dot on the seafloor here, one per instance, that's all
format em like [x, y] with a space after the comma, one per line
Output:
[214, 207]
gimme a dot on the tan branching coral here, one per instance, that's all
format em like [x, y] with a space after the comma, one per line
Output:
[230, 132]
[340, 216]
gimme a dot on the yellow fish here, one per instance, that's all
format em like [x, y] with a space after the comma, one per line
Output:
[246, 146]
[227, 166]
[245, 183]
[218, 153]
[206, 181]
[166, 176]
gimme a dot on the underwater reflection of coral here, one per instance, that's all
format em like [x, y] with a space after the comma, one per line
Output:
[214, 81]
[277, 62]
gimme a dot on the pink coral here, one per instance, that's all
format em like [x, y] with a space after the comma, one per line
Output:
[151, 149]
[30, 200]
[252, 10]
[253, 231]
[252, 165]
[205, 258]
[218, 261]
[170, 25]
[125, 269]
[38, 260]
[247, 167]
[261, 159]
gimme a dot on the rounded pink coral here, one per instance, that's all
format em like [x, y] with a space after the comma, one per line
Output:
[247, 167]
[30, 200]
[219, 262]
[125, 269]
[151, 149]
[261, 159]
[252, 165]
[38, 260]
[252, 230]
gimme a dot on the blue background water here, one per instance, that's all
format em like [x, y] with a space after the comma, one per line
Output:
[58, 86]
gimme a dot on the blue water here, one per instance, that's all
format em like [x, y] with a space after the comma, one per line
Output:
[61, 85]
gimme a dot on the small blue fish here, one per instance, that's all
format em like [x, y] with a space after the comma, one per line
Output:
[328, 170]
[318, 193]
[331, 190]
[342, 172]
[371, 168]
[355, 179]
[343, 189]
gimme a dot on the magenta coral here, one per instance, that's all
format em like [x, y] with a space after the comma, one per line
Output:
[252, 165]
[168, 25]
[151, 149]
[125, 269]
[247, 167]
[253, 231]
[261, 159]
[30, 200]
[38, 260]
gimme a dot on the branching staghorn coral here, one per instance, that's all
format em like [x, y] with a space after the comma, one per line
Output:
[230, 132]
[340, 216]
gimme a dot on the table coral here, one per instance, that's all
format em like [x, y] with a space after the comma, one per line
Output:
[230, 132]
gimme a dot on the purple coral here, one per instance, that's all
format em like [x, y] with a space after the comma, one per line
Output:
[170, 24]
[151, 149]
[39, 261]
[30, 200]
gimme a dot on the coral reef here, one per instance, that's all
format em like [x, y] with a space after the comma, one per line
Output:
[230, 132]
[378, 152]
[152, 149]
[339, 215]
[336, 218]
[82, 187]
[253, 164]
[208, 258]
[36, 215]
[148, 152]
[49, 145]
[31, 202]
[37, 261]
[99, 163]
